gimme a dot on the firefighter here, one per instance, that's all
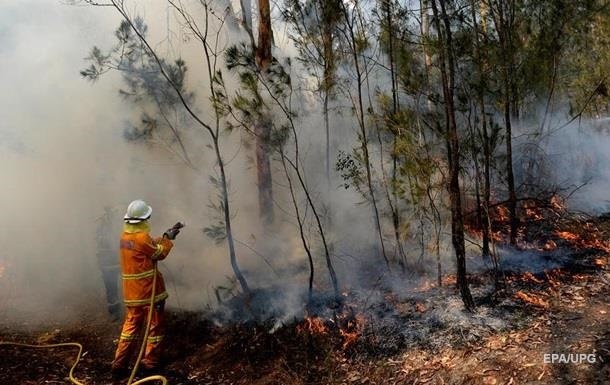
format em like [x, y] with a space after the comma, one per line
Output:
[138, 253]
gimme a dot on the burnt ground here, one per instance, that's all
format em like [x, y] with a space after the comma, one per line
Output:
[424, 338]
[553, 298]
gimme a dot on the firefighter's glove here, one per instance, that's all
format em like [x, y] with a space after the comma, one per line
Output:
[171, 233]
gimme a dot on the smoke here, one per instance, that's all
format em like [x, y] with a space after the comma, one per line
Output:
[64, 159]
[570, 157]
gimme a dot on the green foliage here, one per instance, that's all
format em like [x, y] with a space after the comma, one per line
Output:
[314, 32]
[217, 230]
[258, 94]
[587, 70]
[144, 84]
[351, 170]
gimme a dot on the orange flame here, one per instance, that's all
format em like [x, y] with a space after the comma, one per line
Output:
[502, 213]
[532, 299]
[313, 325]
[568, 236]
[527, 276]
[558, 203]
[352, 331]
[590, 242]
[549, 245]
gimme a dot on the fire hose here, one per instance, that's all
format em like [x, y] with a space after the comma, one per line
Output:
[73, 380]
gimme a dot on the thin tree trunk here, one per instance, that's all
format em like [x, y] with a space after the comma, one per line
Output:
[503, 17]
[300, 222]
[510, 179]
[363, 134]
[214, 132]
[227, 218]
[425, 32]
[297, 168]
[395, 107]
[485, 228]
[262, 127]
[327, 132]
[453, 151]
[246, 14]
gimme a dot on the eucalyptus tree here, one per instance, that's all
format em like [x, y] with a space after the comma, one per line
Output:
[132, 33]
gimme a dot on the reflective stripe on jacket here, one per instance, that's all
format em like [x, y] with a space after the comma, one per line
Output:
[138, 250]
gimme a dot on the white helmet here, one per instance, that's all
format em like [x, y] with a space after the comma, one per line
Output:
[137, 211]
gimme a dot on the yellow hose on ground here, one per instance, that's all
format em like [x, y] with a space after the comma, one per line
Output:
[80, 347]
[49, 346]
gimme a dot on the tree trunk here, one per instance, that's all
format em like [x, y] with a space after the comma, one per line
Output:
[453, 150]
[510, 179]
[262, 128]
[227, 218]
[246, 14]
[364, 146]
[503, 17]
[300, 223]
[395, 108]
[485, 225]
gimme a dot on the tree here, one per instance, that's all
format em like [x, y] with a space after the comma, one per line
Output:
[355, 36]
[315, 24]
[245, 109]
[447, 70]
[134, 32]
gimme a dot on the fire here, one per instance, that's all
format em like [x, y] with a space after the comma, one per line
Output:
[352, 330]
[2, 269]
[600, 263]
[558, 203]
[313, 325]
[449, 280]
[568, 236]
[588, 241]
[532, 299]
[534, 214]
[527, 276]
[549, 245]
[502, 213]
[532, 211]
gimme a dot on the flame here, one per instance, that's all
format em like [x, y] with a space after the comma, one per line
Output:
[587, 241]
[558, 203]
[352, 331]
[549, 245]
[2, 269]
[532, 299]
[502, 213]
[600, 263]
[532, 211]
[568, 236]
[527, 276]
[313, 325]
[449, 279]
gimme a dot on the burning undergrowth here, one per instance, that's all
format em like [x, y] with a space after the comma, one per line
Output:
[546, 224]
[325, 340]
[384, 320]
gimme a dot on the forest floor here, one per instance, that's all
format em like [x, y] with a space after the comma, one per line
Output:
[423, 337]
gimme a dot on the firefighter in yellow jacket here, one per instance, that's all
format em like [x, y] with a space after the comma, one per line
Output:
[138, 252]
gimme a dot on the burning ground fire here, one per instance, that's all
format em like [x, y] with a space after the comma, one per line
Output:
[546, 226]
[348, 326]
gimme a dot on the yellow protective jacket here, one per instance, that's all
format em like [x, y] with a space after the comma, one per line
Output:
[138, 251]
